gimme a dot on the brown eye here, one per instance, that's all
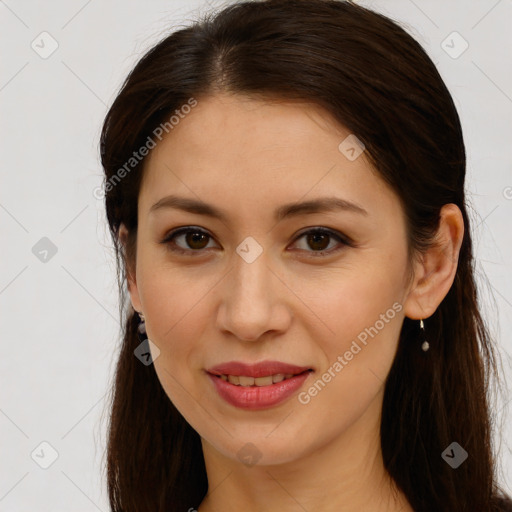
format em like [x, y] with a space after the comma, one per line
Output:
[320, 241]
[190, 240]
[196, 240]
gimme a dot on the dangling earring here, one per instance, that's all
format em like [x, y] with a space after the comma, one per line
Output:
[141, 328]
[425, 345]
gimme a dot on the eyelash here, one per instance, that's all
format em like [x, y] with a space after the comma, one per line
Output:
[168, 240]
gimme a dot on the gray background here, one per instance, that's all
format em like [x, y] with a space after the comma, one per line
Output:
[59, 311]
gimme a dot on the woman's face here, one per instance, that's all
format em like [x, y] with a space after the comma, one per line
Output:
[254, 286]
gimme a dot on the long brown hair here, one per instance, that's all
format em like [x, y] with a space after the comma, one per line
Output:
[376, 80]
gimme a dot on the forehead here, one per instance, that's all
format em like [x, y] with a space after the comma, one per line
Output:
[236, 126]
[245, 150]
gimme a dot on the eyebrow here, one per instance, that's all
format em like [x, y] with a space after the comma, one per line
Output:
[319, 205]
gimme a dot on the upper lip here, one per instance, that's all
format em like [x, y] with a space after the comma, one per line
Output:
[262, 369]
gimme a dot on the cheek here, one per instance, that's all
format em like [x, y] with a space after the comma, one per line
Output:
[176, 302]
[171, 293]
[177, 313]
[365, 317]
[354, 299]
[363, 312]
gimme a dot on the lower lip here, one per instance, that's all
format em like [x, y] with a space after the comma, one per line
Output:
[258, 397]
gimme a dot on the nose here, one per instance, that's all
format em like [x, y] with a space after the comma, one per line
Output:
[253, 301]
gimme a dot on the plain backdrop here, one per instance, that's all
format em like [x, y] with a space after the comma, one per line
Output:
[62, 63]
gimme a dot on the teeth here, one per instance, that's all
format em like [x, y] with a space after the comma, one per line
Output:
[234, 379]
[263, 381]
[246, 381]
[243, 380]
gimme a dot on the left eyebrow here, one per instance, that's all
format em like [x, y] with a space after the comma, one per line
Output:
[318, 205]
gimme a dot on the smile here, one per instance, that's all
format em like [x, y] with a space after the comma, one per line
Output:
[244, 380]
[256, 393]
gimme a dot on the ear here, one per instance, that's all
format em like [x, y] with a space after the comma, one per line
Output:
[131, 277]
[434, 275]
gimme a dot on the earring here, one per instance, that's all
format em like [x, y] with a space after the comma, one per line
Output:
[141, 328]
[425, 345]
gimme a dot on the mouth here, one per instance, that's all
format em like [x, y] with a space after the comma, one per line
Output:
[247, 381]
[263, 369]
[257, 386]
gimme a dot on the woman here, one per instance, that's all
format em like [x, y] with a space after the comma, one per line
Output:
[285, 191]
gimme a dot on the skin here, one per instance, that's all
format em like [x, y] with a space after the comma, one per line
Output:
[238, 154]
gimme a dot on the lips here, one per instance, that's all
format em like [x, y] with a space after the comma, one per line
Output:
[257, 386]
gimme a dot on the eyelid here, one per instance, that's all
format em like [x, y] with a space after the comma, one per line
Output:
[167, 240]
[340, 237]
